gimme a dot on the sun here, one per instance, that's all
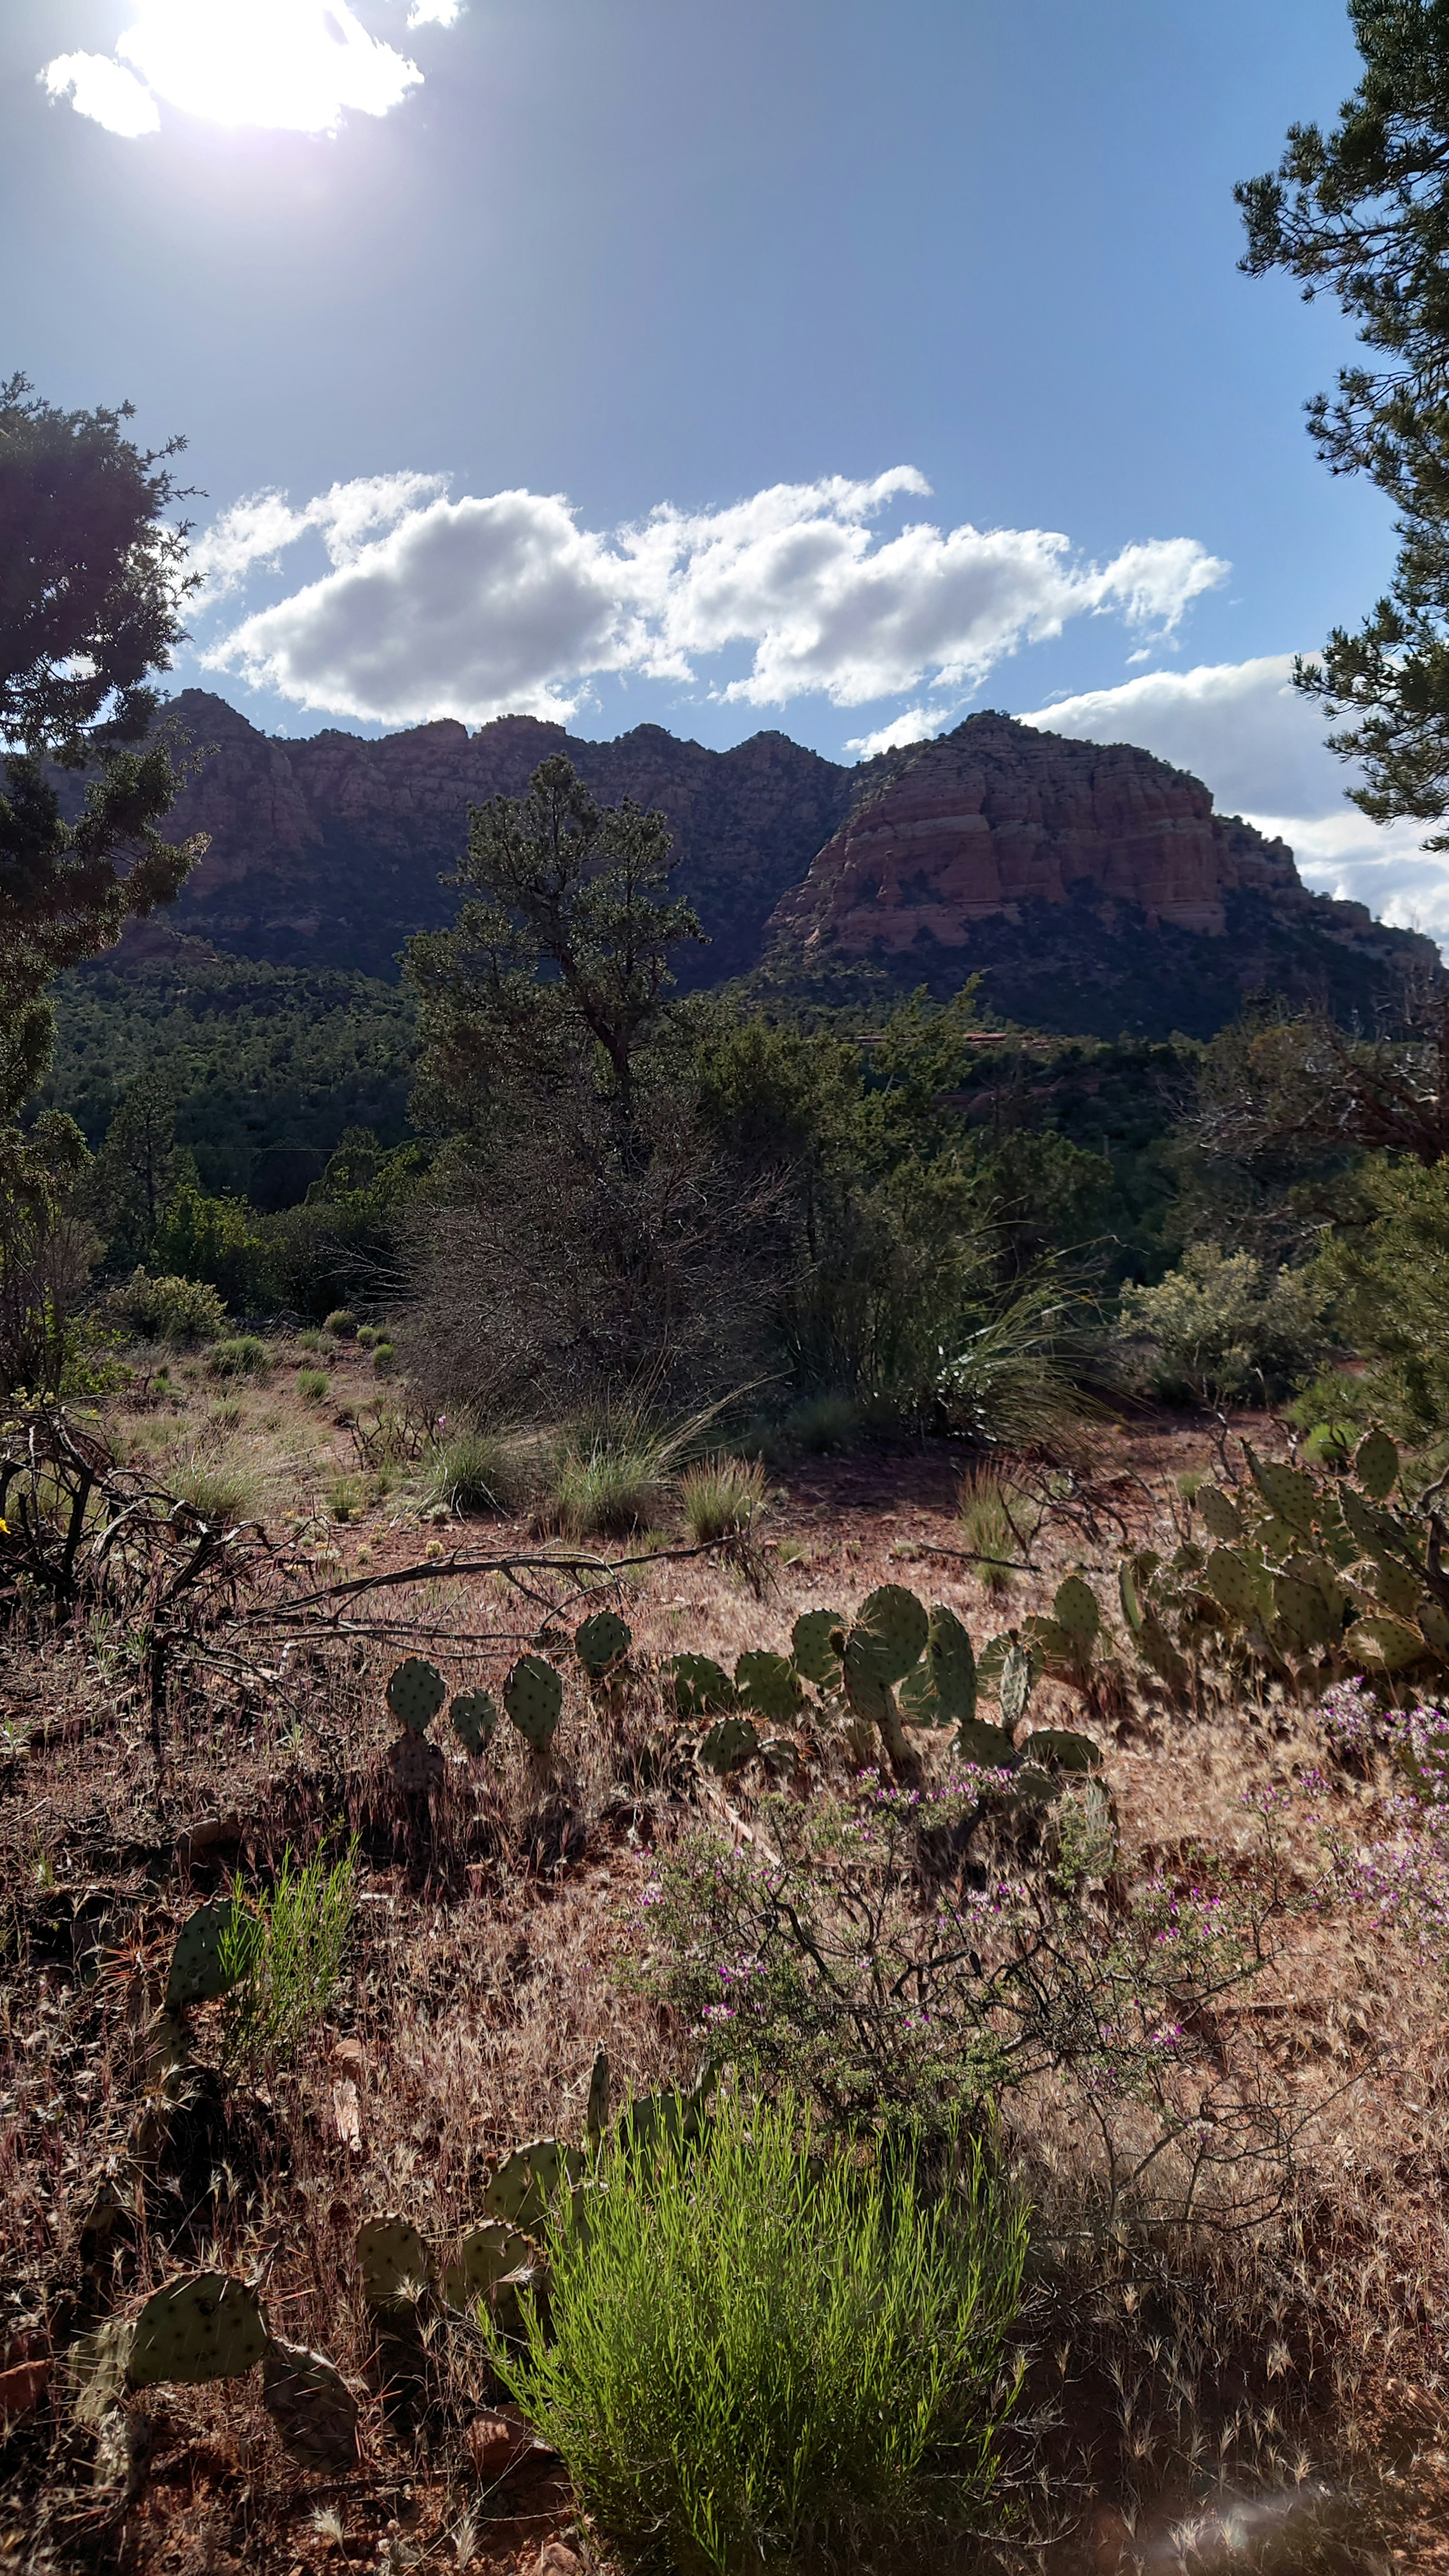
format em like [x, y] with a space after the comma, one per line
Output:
[294, 65]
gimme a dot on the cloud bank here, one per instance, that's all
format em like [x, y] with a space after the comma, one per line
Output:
[487, 606]
[1243, 728]
[294, 65]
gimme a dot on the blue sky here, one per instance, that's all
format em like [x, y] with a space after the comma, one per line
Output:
[839, 365]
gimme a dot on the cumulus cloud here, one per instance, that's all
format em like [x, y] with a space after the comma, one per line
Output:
[1244, 730]
[294, 65]
[481, 606]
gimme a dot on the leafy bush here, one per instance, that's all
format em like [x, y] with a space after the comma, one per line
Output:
[384, 1360]
[313, 1385]
[169, 1309]
[341, 1323]
[720, 1497]
[755, 2348]
[1225, 1330]
[290, 1944]
[246, 1356]
[1391, 1277]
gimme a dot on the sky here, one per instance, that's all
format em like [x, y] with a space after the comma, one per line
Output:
[839, 366]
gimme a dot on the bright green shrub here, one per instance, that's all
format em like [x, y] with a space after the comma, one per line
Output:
[757, 2348]
[246, 1356]
[1225, 1330]
[313, 1385]
[342, 1324]
[1391, 1279]
[169, 1309]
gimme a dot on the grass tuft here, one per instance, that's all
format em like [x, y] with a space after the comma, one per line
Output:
[998, 1524]
[720, 1497]
[484, 1471]
[289, 1947]
[245, 1355]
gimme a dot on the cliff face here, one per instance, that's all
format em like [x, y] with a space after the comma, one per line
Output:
[1093, 886]
[329, 850]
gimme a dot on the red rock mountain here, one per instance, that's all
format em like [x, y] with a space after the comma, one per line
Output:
[1092, 885]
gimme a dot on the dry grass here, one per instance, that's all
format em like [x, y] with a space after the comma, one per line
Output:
[1265, 2396]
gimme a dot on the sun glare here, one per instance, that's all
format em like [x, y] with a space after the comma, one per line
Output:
[295, 65]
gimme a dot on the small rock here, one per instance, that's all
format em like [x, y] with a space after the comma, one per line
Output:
[557, 2559]
[492, 2443]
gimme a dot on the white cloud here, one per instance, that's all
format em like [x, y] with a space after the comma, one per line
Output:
[293, 65]
[918, 724]
[1247, 733]
[483, 606]
[103, 90]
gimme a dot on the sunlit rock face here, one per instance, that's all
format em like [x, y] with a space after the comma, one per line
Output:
[997, 815]
[1091, 885]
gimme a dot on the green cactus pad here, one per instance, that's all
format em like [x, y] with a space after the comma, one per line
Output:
[530, 2178]
[1376, 1465]
[1398, 1587]
[533, 1697]
[395, 2264]
[198, 1972]
[1434, 1625]
[1075, 1609]
[701, 1686]
[668, 2118]
[1060, 1745]
[1018, 1676]
[989, 1747]
[1389, 1643]
[1289, 1494]
[209, 2326]
[310, 2404]
[486, 2256]
[942, 1691]
[866, 1694]
[1220, 1514]
[1303, 1613]
[415, 1693]
[1375, 1532]
[98, 2364]
[473, 1716]
[810, 1645]
[597, 2118]
[730, 1741]
[602, 1642]
[1033, 1787]
[1130, 1598]
[1161, 1656]
[767, 1683]
[780, 1753]
[889, 1632]
[1234, 1582]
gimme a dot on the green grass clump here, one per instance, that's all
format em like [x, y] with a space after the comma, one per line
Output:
[484, 1471]
[313, 1385]
[383, 1359]
[757, 2351]
[243, 1356]
[289, 1944]
[819, 1423]
[341, 1324]
[720, 1497]
[219, 1493]
[998, 1524]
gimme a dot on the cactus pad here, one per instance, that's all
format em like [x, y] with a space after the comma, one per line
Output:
[1018, 1676]
[311, 2404]
[474, 1716]
[730, 1741]
[1304, 1614]
[197, 1971]
[989, 1747]
[533, 1697]
[415, 1693]
[942, 1689]
[486, 2255]
[416, 1765]
[1221, 1516]
[1398, 1588]
[1376, 1465]
[780, 1753]
[889, 1632]
[1234, 1582]
[1075, 1609]
[530, 2178]
[767, 1683]
[810, 1645]
[1069, 1751]
[602, 1641]
[701, 1686]
[209, 2326]
[1389, 1643]
[395, 2264]
[866, 1695]
[1289, 1494]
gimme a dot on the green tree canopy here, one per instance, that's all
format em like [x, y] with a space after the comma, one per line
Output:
[92, 580]
[1363, 213]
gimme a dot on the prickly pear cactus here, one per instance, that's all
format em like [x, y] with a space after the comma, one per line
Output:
[1376, 1465]
[474, 1716]
[416, 1765]
[1018, 1676]
[888, 1633]
[701, 1686]
[729, 1742]
[990, 1748]
[486, 2255]
[814, 1654]
[1221, 1517]
[416, 1691]
[597, 2118]
[208, 2326]
[395, 2264]
[602, 1642]
[1059, 1745]
[198, 1970]
[310, 2404]
[530, 2178]
[769, 1684]
[533, 1698]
